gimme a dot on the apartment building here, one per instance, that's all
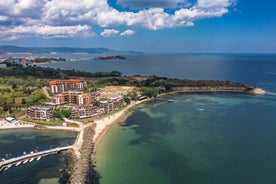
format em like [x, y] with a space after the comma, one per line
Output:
[112, 103]
[85, 111]
[60, 86]
[74, 97]
[41, 112]
[106, 106]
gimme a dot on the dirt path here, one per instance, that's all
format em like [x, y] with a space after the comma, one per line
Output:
[46, 92]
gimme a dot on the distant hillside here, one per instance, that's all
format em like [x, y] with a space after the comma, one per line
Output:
[63, 50]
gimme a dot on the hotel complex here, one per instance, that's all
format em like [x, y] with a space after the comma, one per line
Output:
[85, 111]
[74, 97]
[69, 94]
[41, 113]
[60, 86]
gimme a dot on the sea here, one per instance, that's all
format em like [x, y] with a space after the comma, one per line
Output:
[211, 138]
[47, 170]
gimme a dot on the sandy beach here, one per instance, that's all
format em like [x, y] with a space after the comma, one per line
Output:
[6, 125]
[102, 125]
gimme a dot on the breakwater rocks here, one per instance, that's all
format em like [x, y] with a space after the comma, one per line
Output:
[83, 170]
[212, 89]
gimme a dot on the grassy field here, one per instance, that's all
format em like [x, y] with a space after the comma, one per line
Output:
[18, 93]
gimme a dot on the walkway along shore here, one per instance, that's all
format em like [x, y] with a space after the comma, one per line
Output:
[83, 170]
[90, 135]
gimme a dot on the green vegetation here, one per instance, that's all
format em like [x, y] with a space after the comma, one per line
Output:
[127, 99]
[61, 113]
[18, 93]
[22, 87]
[43, 123]
[51, 73]
[149, 91]
[46, 60]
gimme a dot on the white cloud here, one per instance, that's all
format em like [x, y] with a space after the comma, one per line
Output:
[110, 32]
[3, 18]
[128, 32]
[47, 31]
[214, 3]
[66, 18]
[137, 4]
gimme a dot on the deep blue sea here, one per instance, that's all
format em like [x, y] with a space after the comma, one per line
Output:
[197, 139]
[253, 69]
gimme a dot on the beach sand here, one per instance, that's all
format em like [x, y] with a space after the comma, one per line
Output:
[6, 125]
[103, 124]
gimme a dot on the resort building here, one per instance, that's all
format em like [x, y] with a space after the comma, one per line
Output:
[60, 86]
[94, 97]
[85, 111]
[112, 104]
[41, 113]
[74, 97]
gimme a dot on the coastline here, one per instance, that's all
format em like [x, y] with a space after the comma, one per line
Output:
[100, 128]
[6, 125]
[103, 124]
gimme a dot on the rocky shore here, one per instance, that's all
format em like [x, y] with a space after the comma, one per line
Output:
[81, 171]
[212, 89]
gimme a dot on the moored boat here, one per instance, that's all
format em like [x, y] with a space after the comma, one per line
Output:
[31, 159]
[18, 163]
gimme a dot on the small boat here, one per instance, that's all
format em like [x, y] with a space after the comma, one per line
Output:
[25, 161]
[31, 159]
[18, 163]
[38, 158]
[200, 109]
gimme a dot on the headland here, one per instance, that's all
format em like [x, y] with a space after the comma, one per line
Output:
[143, 89]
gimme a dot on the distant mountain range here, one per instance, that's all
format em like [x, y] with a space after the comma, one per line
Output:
[60, 50]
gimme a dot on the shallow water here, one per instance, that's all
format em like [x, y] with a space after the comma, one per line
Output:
[216, 138]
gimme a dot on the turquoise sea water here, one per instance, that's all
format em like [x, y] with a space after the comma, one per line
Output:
[207, 138]
[198, 139]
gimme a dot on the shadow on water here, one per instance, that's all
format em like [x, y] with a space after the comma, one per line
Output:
[146, 127]
[173, 165]
[94, 177]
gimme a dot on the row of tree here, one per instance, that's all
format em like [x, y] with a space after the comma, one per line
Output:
[52, 73]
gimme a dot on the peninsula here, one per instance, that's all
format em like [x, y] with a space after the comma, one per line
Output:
[109, 57]
[88, 102]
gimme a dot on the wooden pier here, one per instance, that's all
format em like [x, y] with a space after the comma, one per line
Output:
[6, 164]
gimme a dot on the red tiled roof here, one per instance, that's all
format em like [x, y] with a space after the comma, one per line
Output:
[54, 82]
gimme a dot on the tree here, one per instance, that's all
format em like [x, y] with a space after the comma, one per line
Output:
[149, 91]
[14, 86]
[96, 103]
[23, 101]
[127, 100]
[61, 113]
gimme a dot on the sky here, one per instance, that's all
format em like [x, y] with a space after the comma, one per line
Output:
[178, 26]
